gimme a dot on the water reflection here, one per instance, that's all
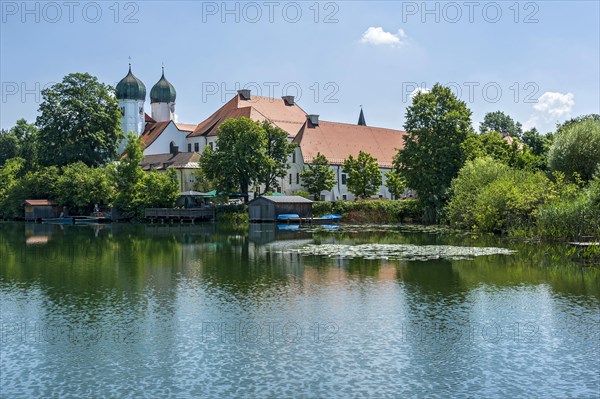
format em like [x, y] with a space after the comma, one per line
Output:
[205, 311]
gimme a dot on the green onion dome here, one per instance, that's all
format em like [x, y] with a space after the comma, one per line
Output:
[163, 91]
[131, 88]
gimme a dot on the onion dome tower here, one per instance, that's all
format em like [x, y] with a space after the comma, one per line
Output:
[131, 93]
[162, 100]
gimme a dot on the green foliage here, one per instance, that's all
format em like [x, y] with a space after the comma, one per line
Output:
[572, 218]
[304, 194]
[576, 148]
[22, 140]
[159, 190]
[10, 172]
[437, 124]
[41, 184]
[128, 178]
[239, 158]
[81, 187]
[364, 177]
[490, 196]
[500, 122]
[202, 183]
[372, 211]
[395, 182]
[276, 150]
[539, 144]
[79, 121]
[318, 176]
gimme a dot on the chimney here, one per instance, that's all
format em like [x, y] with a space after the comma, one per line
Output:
[289, 100]
[313, 120]
[244, 94]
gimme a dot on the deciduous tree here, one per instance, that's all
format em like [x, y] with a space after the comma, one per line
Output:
[364, 177]
[318, 176]
[79, 121]
[437, 124]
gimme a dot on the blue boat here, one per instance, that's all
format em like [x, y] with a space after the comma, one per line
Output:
[332, 217]
[288, 216]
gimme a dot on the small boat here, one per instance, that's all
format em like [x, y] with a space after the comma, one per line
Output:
[63, 220]
[332, 217]
[288, 216]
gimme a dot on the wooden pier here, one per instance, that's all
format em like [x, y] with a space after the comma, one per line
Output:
[172, 215]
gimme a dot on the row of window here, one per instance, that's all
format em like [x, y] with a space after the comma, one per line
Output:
[197, 147]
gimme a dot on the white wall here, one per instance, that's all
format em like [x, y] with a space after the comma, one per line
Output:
[162, 112]
[162, 143]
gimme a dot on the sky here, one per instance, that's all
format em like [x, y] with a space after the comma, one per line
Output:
[537, 61]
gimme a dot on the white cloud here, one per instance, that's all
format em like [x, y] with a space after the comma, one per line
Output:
[377, 36]
[555, 105]
[550, 108]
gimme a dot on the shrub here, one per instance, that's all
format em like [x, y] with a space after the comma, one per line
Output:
[489, 196]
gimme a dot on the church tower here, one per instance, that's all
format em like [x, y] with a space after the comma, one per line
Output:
[162, 100]
[131, 93]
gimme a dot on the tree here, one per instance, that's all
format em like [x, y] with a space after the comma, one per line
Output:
[239, 158]
[538, 143]
[364, 177]
[318, 176]
[437, 124]
[202, 183]
[79, 121]
[395, 182]
[10, 171]
[500, 122]
[277, 150]
[576, 149]
[20, 141]
[81, 187]
[128, 177]
[159, 190]
[9, 146]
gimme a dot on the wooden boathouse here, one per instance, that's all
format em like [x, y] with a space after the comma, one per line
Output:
[268, 208]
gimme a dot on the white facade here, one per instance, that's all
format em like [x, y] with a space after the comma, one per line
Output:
[170, 136]
[162, 112]
[132, 119]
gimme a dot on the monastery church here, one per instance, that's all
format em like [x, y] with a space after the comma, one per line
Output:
[169, 144]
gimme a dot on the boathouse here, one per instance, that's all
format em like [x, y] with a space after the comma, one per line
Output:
[267, 208]
[38, 209]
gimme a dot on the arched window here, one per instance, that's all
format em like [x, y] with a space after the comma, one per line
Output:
[172, 147]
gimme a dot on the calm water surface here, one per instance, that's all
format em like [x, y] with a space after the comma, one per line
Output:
[198, 311]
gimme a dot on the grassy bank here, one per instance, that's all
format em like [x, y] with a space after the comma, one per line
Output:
[371, 211]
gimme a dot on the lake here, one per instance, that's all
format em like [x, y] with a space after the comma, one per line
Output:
[266, 311]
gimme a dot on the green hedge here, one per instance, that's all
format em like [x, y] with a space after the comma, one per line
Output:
[371, 211]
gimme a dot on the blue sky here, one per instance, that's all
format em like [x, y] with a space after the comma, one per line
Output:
[537, 61]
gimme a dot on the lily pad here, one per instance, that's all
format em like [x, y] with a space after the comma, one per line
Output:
[400, 251]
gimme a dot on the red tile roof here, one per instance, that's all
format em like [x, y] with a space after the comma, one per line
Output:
[185, 127]
[152, 131]
[288, 117]
[148, 118]
[337, 141]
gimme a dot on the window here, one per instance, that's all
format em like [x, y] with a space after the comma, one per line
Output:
[189, 148]
[290, 178]
[297, 178]
[344, 197]
[294, 157]
[197, 147]
[211, 146]
[343, 179]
